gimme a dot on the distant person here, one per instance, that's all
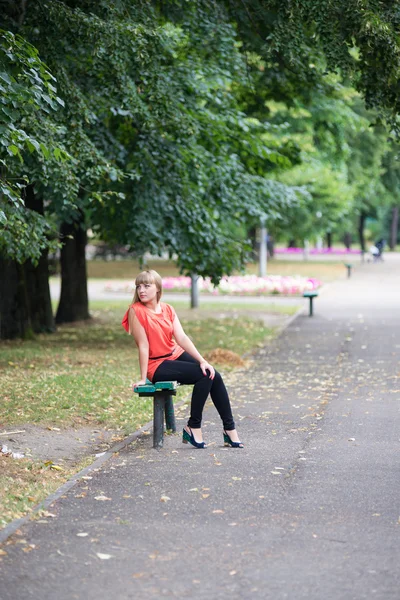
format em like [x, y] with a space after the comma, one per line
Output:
[380, 244]
[167, 354]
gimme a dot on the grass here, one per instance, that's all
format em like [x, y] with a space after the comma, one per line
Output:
[325, 271]
[82, 374]
[114, 308]
[128, 269]
[25, 483]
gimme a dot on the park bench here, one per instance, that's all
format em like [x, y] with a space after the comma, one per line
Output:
[348, 267]
[162, 393]
[310, 296]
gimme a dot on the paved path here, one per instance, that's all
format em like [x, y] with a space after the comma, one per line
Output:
[308, 510]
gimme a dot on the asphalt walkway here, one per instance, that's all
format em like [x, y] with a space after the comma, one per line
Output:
[308, 510]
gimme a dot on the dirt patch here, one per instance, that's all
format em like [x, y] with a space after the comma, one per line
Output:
[58, 445]
[224, 357]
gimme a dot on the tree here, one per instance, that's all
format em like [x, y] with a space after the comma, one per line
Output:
[28, 136]
[359, 39]
[391, 183]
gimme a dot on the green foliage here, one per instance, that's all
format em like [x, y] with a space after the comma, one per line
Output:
[169, 124]
[27, 137]
[359, 39]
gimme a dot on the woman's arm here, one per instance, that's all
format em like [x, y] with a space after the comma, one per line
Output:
[186, 343]
[139, 334]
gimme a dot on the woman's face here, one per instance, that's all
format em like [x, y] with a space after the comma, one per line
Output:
[147, 292]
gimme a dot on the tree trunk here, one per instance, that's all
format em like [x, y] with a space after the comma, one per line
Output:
[74, 303]
[37, 279]
[271, 247]
[14, 312]
[347, 240]
[329, 239]
[361, 225]
[252, 236]
[394, 228]
[25, 304]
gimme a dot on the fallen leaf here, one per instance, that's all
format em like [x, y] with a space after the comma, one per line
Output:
[3, 552]
[205, 495]
[103, 556]
[102, 498]
[164, 499]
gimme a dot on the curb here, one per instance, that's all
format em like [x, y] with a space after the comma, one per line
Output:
[12, 527]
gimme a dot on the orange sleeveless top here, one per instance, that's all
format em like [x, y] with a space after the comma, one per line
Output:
[159, 330]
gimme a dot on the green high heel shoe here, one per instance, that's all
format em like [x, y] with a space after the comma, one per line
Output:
[228, 442]
[188, 438]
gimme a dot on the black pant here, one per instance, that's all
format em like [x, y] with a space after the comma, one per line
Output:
[185, 369]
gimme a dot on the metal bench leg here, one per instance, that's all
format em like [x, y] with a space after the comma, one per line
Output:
[169, 413]
[158, 420]
[311, 307]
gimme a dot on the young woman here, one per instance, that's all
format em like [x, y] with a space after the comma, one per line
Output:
[167, 354]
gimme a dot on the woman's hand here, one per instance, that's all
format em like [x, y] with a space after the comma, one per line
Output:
[141, 382]
[205, 366]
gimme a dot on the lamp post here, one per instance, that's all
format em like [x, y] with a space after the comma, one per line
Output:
[306, 250]
[319, 243]
[194, 291]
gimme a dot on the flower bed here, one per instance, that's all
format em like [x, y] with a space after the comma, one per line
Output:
[332, 251]
[246, 285]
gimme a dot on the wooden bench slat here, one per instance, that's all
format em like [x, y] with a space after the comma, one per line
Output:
[156, 387]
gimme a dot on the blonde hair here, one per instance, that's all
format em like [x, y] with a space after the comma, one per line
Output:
[148, 277]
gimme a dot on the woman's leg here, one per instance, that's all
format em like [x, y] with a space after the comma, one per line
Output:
[186, 370]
